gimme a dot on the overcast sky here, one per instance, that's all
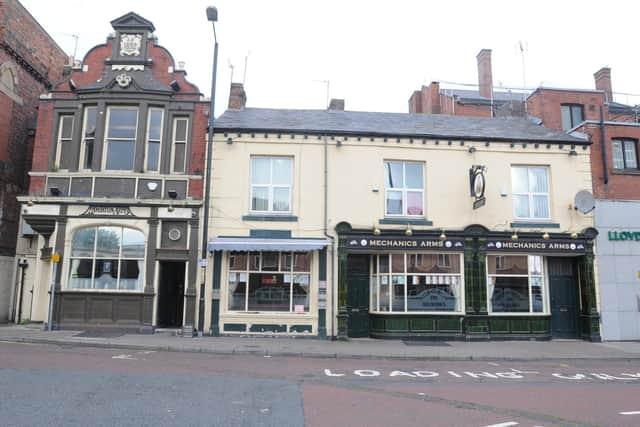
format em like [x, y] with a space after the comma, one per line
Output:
[373, 53]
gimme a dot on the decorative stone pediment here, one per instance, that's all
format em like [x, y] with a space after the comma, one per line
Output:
[132, 20]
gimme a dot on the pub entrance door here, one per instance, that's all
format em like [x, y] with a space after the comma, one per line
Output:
[358, 295]
[565, 305]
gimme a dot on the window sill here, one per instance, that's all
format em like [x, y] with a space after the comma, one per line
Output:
[417, 313]
[405, 221]
[532, 224]
[518, 314]
[272, 218]
[625, 172]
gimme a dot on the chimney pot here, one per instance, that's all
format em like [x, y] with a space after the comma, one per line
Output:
[237, 97]
[336, 104]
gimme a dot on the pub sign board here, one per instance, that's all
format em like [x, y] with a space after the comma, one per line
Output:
[380, 243]
[556, 246]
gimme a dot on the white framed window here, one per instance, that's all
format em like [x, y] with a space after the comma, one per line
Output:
[269, 281]
[180, 134]
[516, 284]
[63, 144]
[530, 188]
[416, 282]
[271, 179]
[404, 188]
[624, 153]
[108, 258]
[120, 147]
[88, 138]
[153, 144]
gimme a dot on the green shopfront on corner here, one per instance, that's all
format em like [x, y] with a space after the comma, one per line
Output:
[466, 284]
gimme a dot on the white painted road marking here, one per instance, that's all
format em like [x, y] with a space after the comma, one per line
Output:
[507, 424]
[124, 356]
[630, 413]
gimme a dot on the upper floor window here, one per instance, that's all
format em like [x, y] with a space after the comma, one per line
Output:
[122, 125]
[88, 138]
[271, 184]
[404, 188]
[154, 139]
[572, 115]
[179, 145]
[63, 146]
[107, 257]
[530, 186]
[625, 153]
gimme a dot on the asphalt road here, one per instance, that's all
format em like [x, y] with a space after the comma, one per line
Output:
[52, 385]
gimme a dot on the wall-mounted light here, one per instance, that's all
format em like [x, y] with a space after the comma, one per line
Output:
[472, 149]
[30, 202]
[376, 230]
[573, 152]
[574, 235]
[545, 236]
[338, 143]
[442, 235]
[229, 141]
[55, 191]
[171, 208]
[514, 236]
[408, 231]
[172, 194]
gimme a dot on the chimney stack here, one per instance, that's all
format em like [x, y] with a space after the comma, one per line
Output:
[603, 82]
[485, 77]
[336, 104]
[237, 97]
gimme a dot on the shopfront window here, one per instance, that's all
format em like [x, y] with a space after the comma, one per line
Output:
[107, 257]
[416, 282]
[269, 281]
[515, 284]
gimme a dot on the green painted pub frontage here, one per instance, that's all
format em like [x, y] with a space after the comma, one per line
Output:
[466, 284]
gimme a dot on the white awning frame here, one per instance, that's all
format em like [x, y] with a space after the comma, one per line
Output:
[245, 244]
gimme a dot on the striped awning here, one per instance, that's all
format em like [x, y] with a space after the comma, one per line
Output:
[259, 244]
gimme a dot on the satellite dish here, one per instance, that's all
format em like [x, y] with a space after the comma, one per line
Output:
[584, 201]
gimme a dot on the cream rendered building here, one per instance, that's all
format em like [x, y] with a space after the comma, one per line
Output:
[347, 224]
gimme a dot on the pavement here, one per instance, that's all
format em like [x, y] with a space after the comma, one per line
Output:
[361, 348]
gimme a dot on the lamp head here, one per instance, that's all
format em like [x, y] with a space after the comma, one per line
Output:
[212, 14]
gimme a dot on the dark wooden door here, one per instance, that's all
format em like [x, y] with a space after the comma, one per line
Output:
[565, 306]
[170, 294]
[358, 295]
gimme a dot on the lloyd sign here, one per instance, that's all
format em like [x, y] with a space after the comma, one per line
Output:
[624, 235]
[403, 243]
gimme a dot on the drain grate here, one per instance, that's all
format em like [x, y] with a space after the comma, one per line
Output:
[426, 343]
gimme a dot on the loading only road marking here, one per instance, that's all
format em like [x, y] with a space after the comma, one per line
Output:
[513, 374]
[630, 413]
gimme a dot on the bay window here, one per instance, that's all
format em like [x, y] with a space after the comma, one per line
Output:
[416, 282]
[122, 125]
[271, 184]
[530, 185]
[515, 284]
[269, 281]
[154, 139]
[404, 188]
[107, 257]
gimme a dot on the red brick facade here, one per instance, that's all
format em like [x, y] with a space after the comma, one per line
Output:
[30, 63]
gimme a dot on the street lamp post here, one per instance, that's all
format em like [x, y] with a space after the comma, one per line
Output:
[212, 15]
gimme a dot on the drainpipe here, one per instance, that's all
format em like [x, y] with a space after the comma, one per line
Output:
[603, 144]
[326, 233]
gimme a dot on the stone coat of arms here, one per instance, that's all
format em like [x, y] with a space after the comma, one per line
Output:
[130, 44]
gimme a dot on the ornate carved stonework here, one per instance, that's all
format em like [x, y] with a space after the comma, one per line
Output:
[127, 67]
[130, 44]
[123, 80]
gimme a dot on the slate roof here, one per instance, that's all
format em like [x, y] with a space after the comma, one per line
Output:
[388, 124]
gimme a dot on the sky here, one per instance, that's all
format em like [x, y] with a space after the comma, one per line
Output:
[374, 54]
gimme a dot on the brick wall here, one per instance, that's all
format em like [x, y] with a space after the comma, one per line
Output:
[621, 186]
[545, 104]
[36, 63]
